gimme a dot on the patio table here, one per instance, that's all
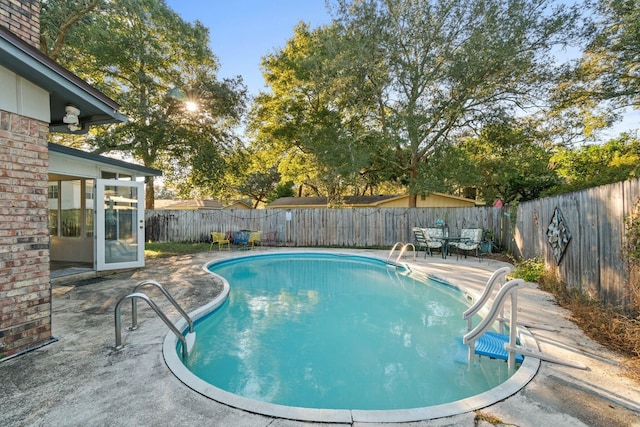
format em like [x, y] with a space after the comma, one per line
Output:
[445, 241]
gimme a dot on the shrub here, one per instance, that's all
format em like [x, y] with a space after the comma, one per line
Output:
[531, 270]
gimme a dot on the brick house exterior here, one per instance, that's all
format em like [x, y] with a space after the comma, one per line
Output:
[22, 18]
[34, 93]
[25, 304]
[25, 294]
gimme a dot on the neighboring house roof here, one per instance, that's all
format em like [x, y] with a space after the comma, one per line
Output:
[238, 204]
[186, 204]
[63, 86]
[354, 201]
[321, 202]
[96, 158]
[459, 201]
[196, 204]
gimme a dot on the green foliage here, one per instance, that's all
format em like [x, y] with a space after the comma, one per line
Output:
[531, 270]
[282, 190]
[144, 56]
[57, 19]
[381, 93]
[592, 165]
[260, 185]
[446, 170]
[449, 66]
[605, 80]
[632, 244]
[306, 125]
[512, 162]
[632, 254]
[487, 235]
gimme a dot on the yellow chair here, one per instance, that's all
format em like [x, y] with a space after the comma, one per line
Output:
[219, 238]
[255, 238]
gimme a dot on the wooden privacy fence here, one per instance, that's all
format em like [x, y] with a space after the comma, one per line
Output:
[594, 260]
[352, 227]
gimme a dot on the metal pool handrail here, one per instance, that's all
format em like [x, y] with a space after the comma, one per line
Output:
[134, 308]
[403, 248]
[118, 323]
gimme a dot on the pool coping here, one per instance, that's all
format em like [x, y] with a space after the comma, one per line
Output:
[515, 383]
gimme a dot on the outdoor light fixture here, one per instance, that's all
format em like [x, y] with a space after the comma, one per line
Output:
[71, 118]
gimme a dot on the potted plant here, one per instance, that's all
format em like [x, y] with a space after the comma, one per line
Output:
[487, 241]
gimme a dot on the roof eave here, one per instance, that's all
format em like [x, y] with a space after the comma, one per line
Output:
[63, 86]
[68, 151]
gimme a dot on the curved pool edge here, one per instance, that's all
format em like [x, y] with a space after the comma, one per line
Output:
[514, 384]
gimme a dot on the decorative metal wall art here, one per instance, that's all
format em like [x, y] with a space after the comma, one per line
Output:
[558, 235]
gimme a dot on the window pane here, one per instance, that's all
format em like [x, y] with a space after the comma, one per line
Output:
[89, 203]
[121, 224]
[71, 208]
[53, 209]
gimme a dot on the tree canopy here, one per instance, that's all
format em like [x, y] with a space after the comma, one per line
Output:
[605, 80]
[512, 161]
[594, 164]
[389, 86]
[143, 55]
[409, 96]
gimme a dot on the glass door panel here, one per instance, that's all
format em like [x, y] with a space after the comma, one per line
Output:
[119, 224]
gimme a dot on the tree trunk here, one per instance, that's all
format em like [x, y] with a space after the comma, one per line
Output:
[413, 174]
[149, 194]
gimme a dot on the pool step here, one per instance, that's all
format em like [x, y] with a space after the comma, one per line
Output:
[490, 344]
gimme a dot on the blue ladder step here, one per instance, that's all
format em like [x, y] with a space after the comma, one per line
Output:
[491, 344]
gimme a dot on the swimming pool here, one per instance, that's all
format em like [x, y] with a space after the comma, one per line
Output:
[330, 337]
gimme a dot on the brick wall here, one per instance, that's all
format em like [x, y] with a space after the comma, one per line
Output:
[25, 291]
[22, 17]
[25, 306]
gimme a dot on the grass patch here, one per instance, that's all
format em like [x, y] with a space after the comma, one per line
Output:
[168, 249]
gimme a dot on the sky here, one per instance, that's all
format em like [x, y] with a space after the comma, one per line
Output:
[243, 31]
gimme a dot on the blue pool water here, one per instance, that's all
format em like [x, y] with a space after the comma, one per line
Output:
[337, 332]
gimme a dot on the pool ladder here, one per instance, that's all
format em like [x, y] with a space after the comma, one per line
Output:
[496, 312]
[509, 290]
[187, 340]
[403, 248]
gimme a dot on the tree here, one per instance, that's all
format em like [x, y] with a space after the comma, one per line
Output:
[260, 185]
[314, 130]
[56, 20]
[605, 81]
[593, 165]
[147, 58]
[512, 161]
[282, 190]
[450, 66]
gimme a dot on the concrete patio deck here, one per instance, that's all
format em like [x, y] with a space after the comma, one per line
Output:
[81, 380]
